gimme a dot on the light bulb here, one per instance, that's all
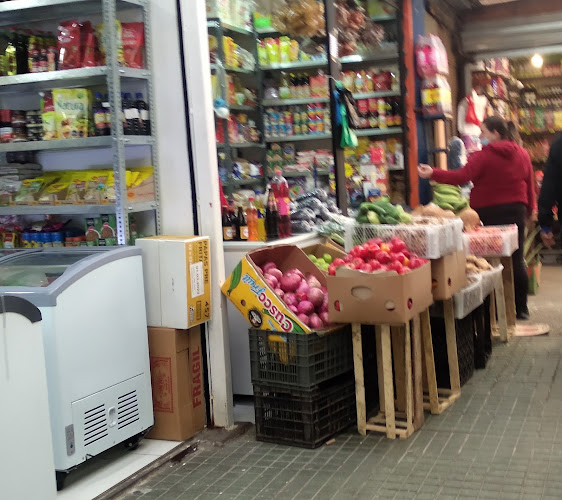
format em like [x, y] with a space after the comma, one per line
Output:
[537, 61]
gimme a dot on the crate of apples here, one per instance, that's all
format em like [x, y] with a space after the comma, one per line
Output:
[378, 256]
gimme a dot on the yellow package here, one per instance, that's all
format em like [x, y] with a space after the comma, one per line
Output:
[110, 194]
[77, 188]
[100, 33]
[284, 49]
[56, 193]
[72, 110]
[96, 187]
[30, 190]
[142, 188]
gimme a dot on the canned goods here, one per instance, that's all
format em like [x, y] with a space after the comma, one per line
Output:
[58, 239]
[46, 239]
[36, 240]
[26, 240]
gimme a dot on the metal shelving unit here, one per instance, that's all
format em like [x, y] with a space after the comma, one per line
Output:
[313, 63]
[379, 131]
[291, 102]
[298, 138]
[22, 12]
[376, 95]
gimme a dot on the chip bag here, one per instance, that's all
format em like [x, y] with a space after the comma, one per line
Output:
[69, 45]
[133, 44]
[100, 32]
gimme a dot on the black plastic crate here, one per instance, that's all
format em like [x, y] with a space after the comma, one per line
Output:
[465, 350]
[304, 418]
[482, 334]
[297, 360]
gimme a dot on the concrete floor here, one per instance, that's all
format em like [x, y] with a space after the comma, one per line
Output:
[501, 440]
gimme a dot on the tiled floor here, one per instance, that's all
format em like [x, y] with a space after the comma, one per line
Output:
[110, 468]
[501, 440]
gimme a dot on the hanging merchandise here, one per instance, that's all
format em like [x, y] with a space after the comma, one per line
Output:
[301, 18]
[346, 116]
[433, 67]
[471, 113]
[355, 27]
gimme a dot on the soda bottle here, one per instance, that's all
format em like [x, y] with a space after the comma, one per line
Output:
[32, 55]
[227, 234]
[11, 62]
[280, 189]
[242, 225]
[99, 115]
[107, 110]
[252, 220]
[144, 116]
[271, 217]
[131, 115]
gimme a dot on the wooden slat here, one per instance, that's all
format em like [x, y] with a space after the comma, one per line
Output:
[408, 373]
[388, 385]
[398, 351]
[380, 372]
[429, 361]
[359, 380]
[417, 374]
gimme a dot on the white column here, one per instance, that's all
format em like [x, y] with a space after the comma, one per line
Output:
[196, 50]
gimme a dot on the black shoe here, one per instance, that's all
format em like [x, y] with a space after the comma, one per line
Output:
[523, 316]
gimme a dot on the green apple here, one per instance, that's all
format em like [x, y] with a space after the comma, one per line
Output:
[320, 262]
[312, 258]
[327, 258]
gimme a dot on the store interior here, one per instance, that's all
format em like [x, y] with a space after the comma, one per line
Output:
[306, 113]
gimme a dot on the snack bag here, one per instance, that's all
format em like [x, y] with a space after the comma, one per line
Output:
[133, 44]
[72, 110]
[48, 117]
[110, 194]
[142, 187]
[100, 32]
[29, 191]
[55, 193]
[76, 188]
[96, 187]
[69, 45]
[88, 44]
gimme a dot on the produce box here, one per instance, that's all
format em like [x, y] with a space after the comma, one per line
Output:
[430, 240]
[448, 275]
[320, 251]
[379, 298]
[492, 241]
[247, 289]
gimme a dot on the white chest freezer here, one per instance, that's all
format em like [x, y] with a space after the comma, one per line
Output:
[25, 429]
[96, 345]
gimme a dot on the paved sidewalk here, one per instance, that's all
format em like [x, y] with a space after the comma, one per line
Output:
[501, 440]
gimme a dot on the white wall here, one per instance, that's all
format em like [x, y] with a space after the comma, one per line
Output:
[175, 187]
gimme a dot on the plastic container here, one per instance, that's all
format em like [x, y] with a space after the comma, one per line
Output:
[304, 418]
[469, 298]
[492, 241]
[299, 361]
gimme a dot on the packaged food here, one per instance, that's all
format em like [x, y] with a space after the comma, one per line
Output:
[96, 186]
[76, 188]
[56, 193]
[272, 46]
[100, 32]
[133, 44]
[29, 191]
[294, 51]
[72, 109]
[69, 45]
[284, 49]
[88, 45]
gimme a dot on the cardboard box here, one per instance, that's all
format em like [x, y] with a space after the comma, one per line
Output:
[321, 249]
[252, 296]
[379, 298]
[176, 363]
[177, 280]
[448, 275]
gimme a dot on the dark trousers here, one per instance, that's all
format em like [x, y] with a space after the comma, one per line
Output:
[512, 213]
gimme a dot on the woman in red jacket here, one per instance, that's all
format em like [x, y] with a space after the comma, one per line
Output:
[503, 191]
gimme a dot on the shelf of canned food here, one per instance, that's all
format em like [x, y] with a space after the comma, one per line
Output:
[428, 237]
[492, 241]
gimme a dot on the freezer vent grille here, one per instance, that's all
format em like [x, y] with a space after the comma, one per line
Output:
[95, 425]
[127, 409]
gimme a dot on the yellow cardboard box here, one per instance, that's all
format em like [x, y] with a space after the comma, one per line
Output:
[177, 280]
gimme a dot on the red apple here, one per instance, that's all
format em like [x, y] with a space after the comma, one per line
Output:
[383, 257]
[366, 268]
[338, 262]
[332, 269]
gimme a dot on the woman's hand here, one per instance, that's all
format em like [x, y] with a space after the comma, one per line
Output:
[425, 171]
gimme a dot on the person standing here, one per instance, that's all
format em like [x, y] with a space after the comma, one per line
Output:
[503, 191]
[551, 191]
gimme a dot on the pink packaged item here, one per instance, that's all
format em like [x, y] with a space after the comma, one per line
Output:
[431, 57]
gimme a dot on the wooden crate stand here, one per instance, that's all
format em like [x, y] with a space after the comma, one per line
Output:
[437, 400]
[400, 346]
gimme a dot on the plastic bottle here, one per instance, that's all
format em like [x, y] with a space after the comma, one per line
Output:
[280, 189]
[252, 220]
[107, 110]
[99, 115]
[131, 116]
[144, 116]
[242, 225]
[227, 234]
[259, 203]
[32, 55]
[271, 217]
[11, 63]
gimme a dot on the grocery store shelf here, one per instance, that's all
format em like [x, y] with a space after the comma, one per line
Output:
[239, 145]
[307, 173]
[216, 24]
[541, 80]
[68, 78]
[378, 131]
[382, 93]
[314, 63]
[383, 18]
[295, 138]
[75, 209]
[387, 54]
[269, 30]
[395, 168]
[28, 11]
[66, 144]
[239, 70]
[291, 102]
[244, 182]
[235, 107]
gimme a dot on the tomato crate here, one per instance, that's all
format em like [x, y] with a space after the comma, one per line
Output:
[427, 238]
[297, 360]
[304, 418]
[490, 280]
[492, 241]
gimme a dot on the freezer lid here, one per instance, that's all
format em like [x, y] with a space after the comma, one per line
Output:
[41, 276]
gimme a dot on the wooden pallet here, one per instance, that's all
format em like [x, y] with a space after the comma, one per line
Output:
[398, 346]
[436, 399]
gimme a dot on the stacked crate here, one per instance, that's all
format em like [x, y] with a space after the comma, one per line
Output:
[304, 388]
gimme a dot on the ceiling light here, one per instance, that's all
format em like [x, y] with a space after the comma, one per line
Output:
[537, 61]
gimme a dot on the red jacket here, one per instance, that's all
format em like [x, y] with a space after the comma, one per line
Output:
[501, 173]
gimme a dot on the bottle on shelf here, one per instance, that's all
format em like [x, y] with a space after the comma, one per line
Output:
[131, 115]
[305, 86]
[32, 55]
[144, 115]
[271, 217]
[99, 116]
[10, 57]
[107, 110]
[241, 225]
[293, 86]
[284, 86]
[280, 188]
[227, 233]
[51, 53]
[252, 220]
[262, 234]
[21, 51]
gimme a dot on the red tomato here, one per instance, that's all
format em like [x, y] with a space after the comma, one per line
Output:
[375, 264]
[358, 262]
[372, 250]
[400, 257]
[332, 269]
[374, 241]
[398, 246]
[396, 266]
[383, 257]
[366, 268]
[338, 262]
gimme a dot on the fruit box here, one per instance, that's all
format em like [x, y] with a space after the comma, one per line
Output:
[379, 298]
[256, 300]
[321, 249]
[492, 241]
[448, 275]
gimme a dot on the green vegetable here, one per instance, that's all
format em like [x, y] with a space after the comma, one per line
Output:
[338, 239]
[391, 220]
[373, 218]
[372, 207]
[362, 219]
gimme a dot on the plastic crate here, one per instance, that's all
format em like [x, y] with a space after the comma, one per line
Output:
[490, 280]
[464, 329]
[428, 241]
[482, 334]
[457, 228]
[469, 298]
[492, 241]
[304, 418]
[297, 360]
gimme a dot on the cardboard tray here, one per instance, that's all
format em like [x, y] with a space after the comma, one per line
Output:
[379, 298]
